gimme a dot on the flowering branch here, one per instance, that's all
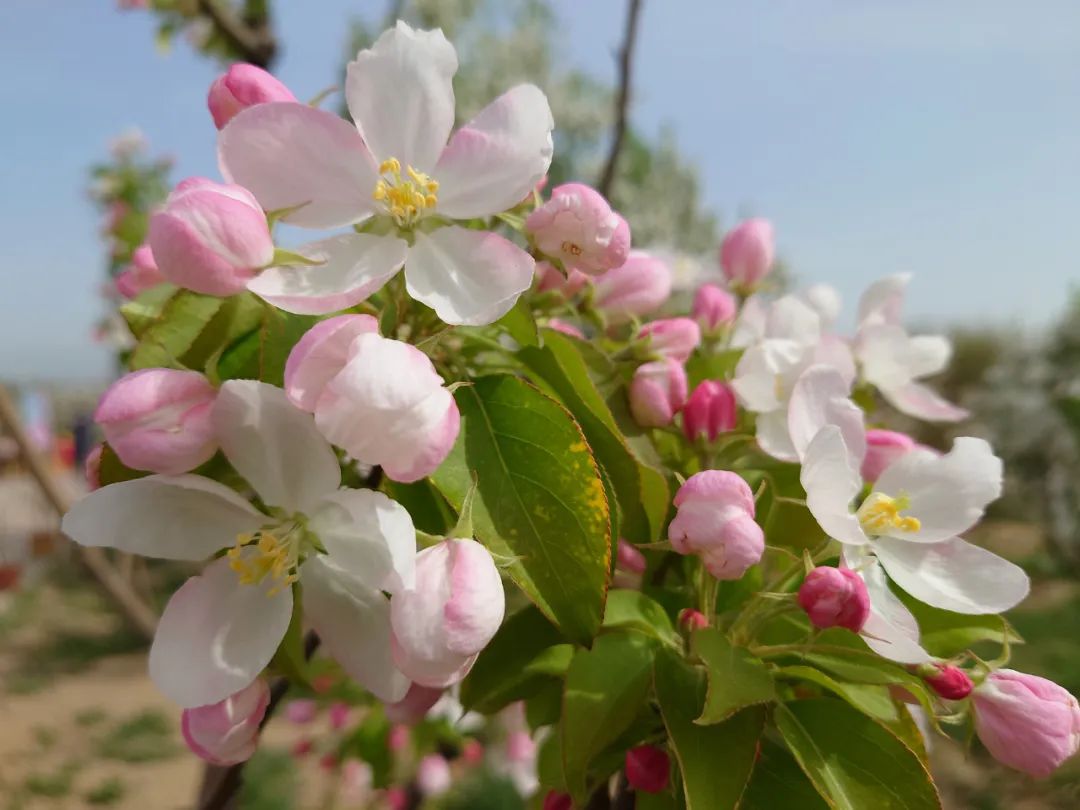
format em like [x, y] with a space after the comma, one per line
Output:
[251, 38]
[622, 98]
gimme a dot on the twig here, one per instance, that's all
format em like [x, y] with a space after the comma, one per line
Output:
[133, 608]
[251, 38]
[221, 785]
[622, 98]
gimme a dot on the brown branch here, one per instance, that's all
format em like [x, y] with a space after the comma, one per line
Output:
[131, 606]
[252, 39]
[622, 98]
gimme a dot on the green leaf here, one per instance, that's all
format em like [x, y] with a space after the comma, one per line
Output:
[715, 761]
[712, 366]
[113, 470]
[549, 763]
[944, 634]
[736, 678]
[544, 707]
[854, 762]
[261, 353]
[525, 652]
[540, 498]
[236, 317]
[633, 610]
[867, 698]
[176, 328]
[141, 312]
[519, 323]
[778, 783]
[605, 686]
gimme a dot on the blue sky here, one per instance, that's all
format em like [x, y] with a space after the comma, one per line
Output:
[939, 138]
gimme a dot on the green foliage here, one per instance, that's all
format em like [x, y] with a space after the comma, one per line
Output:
[107, 792]
[144, 737]
[271, 781]
[736, 678]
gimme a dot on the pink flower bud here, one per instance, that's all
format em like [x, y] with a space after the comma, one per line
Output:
[558, 801]
[657, 392]
[227, 732]
[302, 747]
[398, 738]
[715, 519]
[92, 467]
[414, 706]
[949, 682]
[672, 337]
[551, 280]
[714, 308]
[565, 328]
[520, 747]
[472, 751]
[578, 227]
[210, 238]
[883, 447]
[711, 410]
[158, 419]
[835, 597]
[433, 775]
[746, 255]
[302, 711]
[691, 620]
[320, 354]
[397, 798]
[648, 769]
[1026, 722]
[629, 559]
[141, 275]
[240, 87]
[638, 287]
[457, 604]
[339, 714]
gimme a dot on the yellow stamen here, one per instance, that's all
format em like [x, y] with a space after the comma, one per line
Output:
[880, 514]
[263, 554]
[571, 248]
[405, 197]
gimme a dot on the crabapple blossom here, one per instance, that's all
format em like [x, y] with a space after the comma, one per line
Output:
[433, 776]
[210, 238]
[710, 411]
[630, 565]
[240, 87]
[747, 252]
[948, 681]
[835, 597]
[301, 711]
[715, 519]
[158, 419]
[578, 227]
[227, 732]
[1026, 722]
[658, 392]
[640, 286]
[672, 337]
[566, 328]
[141, 275]
[648, 768]
[714, 309]
[549, 279]
[883, 447]
[448, 616]
[397, 169]
[222, 627]
[380, 400]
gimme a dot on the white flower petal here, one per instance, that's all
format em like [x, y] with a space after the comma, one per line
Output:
[954, 575]
[921, 402]
[750, 324]
[292, 155]
[353, 622]
[820, 398]
[400, 94]
[495, 161]
[217, 635]
[946, 494]
[773, 437]
[369, 536]
[792, 319]
[274, 445]
[354, 266]
[891, 631]
[883, 301]
[468, 277]
[884, 354]
[928, 354]
[183, 517]
[762, 372]
[831, 479]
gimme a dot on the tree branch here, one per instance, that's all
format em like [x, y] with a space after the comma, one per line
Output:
[622, 98]
[252, 39]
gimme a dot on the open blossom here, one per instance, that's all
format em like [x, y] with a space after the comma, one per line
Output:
[639, 286]
[893, 361]
[210, 238]
[835, 597]
[1027, 722]
[227, 732]
[747, 252]
[449, 615]
[716, 520]
[714, 308]
[578, 227]
[222, 627]
[240, 87]
[380, 400]
[672, 337]
[710, 411]
[158, 419]
[657, 392]
[141, 275]
[397, 166]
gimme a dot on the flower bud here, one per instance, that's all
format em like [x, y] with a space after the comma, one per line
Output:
[638, 287]
[339, 714]
[578, 227]
[301, 711]
[472, 751]
[141, 275]
[433, 775]
[657, 392]
[715, 519]
[442, 624]
[551, 280]
[158, 419]
[227, 732]
[240, 87]
[710, 411]
[648, 769]
[558, 801]
[565, 328]
[835, 597]
[378, 399]
[210, 238]
[949, 682]
[412, 708]
[746, 254]
[883, 447]
[691, 620]
[396, 798]
[1026, 722]
[672, 337]
[629, 559]
[397, 739]
[714, 308]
